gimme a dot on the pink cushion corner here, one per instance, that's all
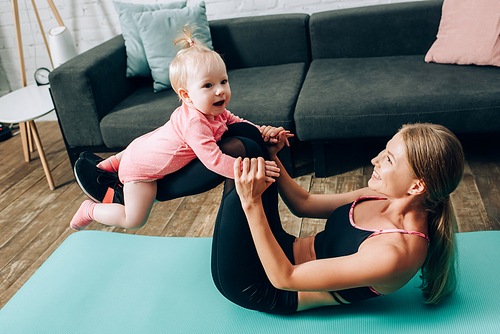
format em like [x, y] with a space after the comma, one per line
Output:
[468, 33]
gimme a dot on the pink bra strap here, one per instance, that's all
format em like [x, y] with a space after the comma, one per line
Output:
[395, 230]
[377, 232]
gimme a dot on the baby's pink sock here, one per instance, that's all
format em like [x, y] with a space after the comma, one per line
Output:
[84, 216]
[110, 164]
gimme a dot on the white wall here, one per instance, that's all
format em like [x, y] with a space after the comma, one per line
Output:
[92, 22]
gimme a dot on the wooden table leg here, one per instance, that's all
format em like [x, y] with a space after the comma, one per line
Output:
[24, 139]
[41, 153]
[30, 138]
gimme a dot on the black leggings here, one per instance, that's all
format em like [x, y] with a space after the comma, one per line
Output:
[236, 268]
[195, 178]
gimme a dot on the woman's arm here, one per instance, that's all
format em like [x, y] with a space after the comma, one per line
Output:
[250, 185]
[304, 204]
[377, 263]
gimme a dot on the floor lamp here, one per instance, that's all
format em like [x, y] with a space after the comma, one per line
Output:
[19, 42]
[27, 128]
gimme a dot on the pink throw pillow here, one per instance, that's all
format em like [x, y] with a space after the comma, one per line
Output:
[468, 33]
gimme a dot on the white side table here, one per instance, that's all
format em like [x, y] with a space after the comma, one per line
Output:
[23, 106]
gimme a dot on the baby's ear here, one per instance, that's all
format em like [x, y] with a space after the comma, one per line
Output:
[184, 95]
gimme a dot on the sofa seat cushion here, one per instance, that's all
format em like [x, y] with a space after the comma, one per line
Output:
[141, 112]
[263, 95]
[267, 95]
[373, 97]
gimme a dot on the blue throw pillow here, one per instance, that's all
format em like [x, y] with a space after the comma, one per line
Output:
[137, 64]
[158, 30]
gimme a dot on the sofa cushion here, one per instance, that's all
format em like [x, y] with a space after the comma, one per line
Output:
[158, 30]
[141, 112]
[397, 29]
[262, 40]
[137, 64]
[468, 33]
[373, 97]
[266, 95]
[263, 95]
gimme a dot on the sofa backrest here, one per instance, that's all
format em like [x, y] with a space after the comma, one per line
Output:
[375, 31]
[262, 40]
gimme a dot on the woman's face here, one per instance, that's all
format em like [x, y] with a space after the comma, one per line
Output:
[392, 175]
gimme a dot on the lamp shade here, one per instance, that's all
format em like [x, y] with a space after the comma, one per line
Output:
[62, 46]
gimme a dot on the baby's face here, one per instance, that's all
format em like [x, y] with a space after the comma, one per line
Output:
[209, 91]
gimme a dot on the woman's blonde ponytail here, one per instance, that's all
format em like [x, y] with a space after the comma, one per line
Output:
[436, 157]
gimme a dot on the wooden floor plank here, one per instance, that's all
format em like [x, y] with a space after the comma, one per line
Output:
[487, 178]
[159, 217]
[466, 201]
[183, 219]
[203, 224]
[13, 239]
[15, 286]
[29, 244]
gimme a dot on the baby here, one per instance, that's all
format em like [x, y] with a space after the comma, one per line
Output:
[198, 76]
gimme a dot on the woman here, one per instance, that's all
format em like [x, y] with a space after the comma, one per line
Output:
[375, 240]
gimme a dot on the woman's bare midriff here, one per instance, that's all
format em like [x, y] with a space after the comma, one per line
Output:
[303, 251]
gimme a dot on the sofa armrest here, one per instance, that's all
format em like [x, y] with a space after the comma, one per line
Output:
[262, 40]
[375, 31]
[87, 87]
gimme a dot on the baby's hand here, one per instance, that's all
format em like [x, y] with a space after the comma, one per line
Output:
[281, 140]
[269, 132]
[272, 135]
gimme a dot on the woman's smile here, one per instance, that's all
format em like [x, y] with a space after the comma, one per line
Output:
[376, 176]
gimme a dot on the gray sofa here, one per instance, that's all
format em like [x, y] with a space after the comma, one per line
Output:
[332, 76]
[99, 109]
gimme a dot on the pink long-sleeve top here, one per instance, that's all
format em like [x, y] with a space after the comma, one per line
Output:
[187, 135]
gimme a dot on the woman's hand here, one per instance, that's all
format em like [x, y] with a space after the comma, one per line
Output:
[251, 180]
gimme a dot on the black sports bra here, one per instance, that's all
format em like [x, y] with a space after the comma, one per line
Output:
[343, 237]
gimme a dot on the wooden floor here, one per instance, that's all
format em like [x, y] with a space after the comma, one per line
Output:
[34, 220]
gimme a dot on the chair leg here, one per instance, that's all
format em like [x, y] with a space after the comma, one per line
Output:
[30, 138]
[23, 129]
[41, 153]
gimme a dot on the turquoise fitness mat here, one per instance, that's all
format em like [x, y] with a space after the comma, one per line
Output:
[101, 282]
